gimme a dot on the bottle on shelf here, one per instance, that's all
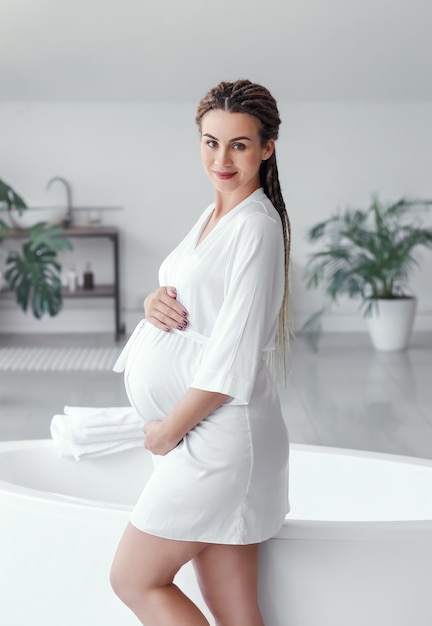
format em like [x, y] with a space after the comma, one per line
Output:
[88, 278]
[72, 279]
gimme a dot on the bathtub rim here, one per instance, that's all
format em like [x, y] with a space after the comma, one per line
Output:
[297, 529]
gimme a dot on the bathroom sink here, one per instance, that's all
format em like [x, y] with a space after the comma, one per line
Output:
[32, 215]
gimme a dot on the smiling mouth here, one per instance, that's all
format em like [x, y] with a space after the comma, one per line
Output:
[225, 175]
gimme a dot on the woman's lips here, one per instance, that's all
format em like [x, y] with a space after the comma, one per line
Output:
[225, 175]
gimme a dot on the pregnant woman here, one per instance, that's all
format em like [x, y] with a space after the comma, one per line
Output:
[198, 370]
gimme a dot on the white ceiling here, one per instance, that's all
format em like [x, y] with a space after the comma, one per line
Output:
[136, 50]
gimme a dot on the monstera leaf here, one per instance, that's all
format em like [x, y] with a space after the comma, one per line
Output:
[34, 273]
[4, 229]
[10, 198]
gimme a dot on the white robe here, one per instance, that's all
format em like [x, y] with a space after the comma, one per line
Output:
[227, 480]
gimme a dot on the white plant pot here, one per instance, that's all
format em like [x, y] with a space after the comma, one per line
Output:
[391, 322]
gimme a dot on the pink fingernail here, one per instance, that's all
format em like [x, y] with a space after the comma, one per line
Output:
[166, 329]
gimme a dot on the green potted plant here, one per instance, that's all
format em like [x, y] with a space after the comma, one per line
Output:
[369, 254]
[34, 272]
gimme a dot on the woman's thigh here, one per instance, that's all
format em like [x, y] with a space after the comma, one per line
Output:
[228, 579]
[143, 561]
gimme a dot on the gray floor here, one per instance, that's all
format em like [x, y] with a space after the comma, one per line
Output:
[347, 395]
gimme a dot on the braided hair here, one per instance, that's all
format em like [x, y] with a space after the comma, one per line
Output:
[243, 96]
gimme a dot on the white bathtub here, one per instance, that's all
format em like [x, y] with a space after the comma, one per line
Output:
[355, 550]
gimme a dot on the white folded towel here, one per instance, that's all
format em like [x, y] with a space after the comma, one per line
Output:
[91, 431]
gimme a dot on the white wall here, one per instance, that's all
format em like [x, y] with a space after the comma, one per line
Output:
[145, 158]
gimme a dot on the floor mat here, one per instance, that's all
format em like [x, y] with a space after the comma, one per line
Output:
[39, 358]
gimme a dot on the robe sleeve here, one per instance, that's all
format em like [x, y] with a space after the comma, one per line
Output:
[246, 322]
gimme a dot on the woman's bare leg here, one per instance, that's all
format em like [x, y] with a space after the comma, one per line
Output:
[228, 579]
[142, 576]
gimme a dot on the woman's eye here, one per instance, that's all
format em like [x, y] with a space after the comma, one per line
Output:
[239, 146]
[211, 143]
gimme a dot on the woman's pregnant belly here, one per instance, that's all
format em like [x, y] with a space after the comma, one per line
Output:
[160, 369]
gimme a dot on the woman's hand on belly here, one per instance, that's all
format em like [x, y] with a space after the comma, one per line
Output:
[163, 311]
[157, 439]
[163, 436]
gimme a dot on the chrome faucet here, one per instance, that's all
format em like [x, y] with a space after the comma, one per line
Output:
[68, 218]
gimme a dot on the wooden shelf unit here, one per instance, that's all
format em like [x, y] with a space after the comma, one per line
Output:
[99, 291]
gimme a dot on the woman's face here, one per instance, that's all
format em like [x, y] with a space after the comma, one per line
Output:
[231, 152]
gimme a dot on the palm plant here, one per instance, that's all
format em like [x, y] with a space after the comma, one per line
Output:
[367, 254]
[34, 273]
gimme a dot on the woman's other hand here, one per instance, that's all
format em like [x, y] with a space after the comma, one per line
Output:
[157, 439]
[163, 311]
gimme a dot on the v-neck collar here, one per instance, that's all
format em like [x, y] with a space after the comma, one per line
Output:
[255, 195]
